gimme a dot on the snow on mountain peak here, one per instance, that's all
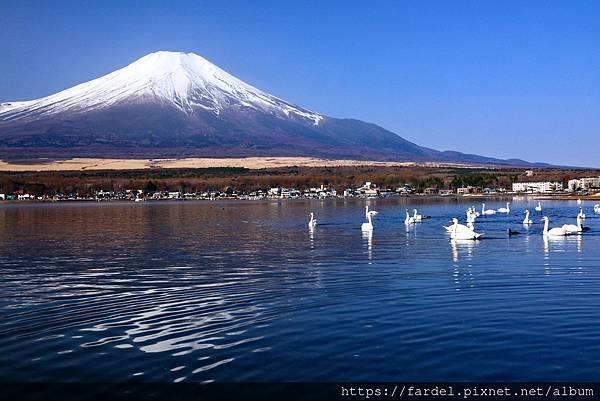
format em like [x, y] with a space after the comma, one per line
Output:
[186, 81]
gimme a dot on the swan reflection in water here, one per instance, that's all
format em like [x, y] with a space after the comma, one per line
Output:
[368, 237]
[553, 244]
[465, 247]
[311, 236]
[561, 243]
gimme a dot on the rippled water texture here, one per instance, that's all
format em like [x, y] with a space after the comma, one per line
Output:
[243, 291]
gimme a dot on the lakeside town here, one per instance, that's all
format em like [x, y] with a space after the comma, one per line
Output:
[584, 186]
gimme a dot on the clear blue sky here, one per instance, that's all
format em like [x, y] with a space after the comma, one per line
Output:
[498, 78]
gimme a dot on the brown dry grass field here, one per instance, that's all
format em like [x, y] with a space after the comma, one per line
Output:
[81, 164]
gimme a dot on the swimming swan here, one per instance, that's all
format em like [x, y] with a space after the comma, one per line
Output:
[527, 220]
[312, 223]
[572, 228]
[368, 226]
[409, 219]
[488, 212]
[463, 233]
[505, 209]
[538, 208]
[472, 214]
[367, 211]
[554, 232]
[459, 227]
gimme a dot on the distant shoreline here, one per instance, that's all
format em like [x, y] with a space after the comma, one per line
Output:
[558, 197]
[273, 177]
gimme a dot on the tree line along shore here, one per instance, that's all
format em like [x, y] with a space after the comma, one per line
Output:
[228, 180]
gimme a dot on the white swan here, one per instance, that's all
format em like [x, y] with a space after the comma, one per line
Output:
[538, 208]
[417, 217]
[369, 224]
[597, 208]
[574, 228]
[581, 214]
[505, 209]
[527, 220]
[312, 223]
[367, 211]
[579, 201]
[487, 212]
[471, 215]
[409, 219]
[459, 227]
[464, 233]
[554, 232]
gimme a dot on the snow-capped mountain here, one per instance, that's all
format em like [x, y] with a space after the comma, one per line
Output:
[171, 104]
[185, 81]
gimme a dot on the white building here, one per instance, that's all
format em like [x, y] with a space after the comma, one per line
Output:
[537, 187]
[368, 189]
[582, 184]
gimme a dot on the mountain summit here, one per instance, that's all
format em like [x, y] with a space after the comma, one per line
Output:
[184, 81]
[171, 104]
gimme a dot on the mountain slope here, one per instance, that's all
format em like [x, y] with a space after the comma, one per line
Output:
[169, 104]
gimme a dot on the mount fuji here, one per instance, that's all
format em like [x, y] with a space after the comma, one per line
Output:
[171, 104]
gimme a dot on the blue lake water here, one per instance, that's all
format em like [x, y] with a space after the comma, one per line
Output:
[244, 291]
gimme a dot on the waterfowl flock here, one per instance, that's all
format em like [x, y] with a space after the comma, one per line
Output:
[467, 231]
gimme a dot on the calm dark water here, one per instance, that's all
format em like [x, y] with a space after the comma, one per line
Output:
[243, 291]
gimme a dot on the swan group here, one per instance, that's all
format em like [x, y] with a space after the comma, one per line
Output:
[471, 216]
[467, 231]
[459, 231]
[553, 232]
